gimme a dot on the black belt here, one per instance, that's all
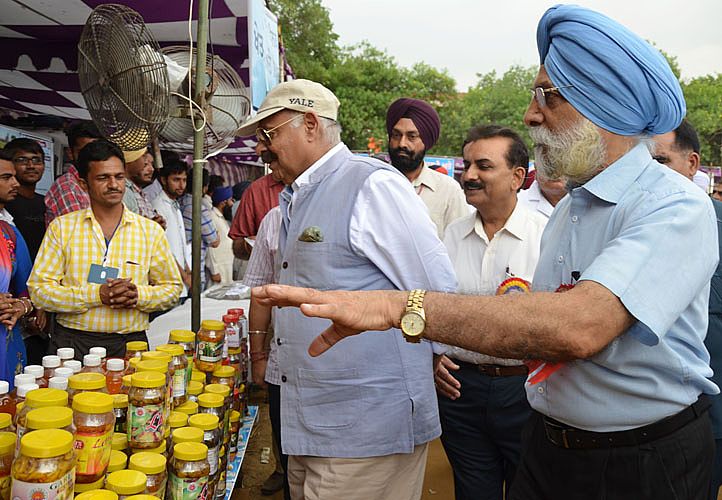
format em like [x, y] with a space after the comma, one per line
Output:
[495, 370]
[565, 436]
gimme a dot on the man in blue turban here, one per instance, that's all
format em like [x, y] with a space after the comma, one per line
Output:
[618, 370]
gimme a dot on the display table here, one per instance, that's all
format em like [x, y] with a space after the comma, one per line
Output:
[234, 468]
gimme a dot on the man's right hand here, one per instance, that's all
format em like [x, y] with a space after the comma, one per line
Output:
[258, 372]
[445, 382]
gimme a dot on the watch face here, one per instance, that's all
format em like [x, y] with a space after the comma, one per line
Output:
[412, 323]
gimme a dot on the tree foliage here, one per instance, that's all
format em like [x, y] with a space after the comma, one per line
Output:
[704, 111]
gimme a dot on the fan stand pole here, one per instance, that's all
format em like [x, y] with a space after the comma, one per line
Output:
[198, 164]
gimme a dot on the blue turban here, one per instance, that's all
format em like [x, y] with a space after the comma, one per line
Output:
[222, 194]
[620, 82]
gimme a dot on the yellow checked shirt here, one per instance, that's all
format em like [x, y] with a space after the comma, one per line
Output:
[139, 249]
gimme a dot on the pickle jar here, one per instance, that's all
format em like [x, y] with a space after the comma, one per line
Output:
[159, 362]
[222, 467]
[209, 345]
[135, 348]
[153, 466]
[199, 376]
[6, 423]
[126, 483]
[209, 424]
[180, 368]
[97, 495]
[38, 398]
[85, 382]
[119, 441]
[225, 392]
[146, 405]
[7, 453]
[211, 403]
[45, 467]
[187, 340]
[189, 472]
[118, 461]
[185, 435]
[189, 408]
[225, 375]
[51, 417]
[194, 390]
[125, 386]
[235, 429]
[234, 361]
[94, 423]
[85, 487]
[120, 409]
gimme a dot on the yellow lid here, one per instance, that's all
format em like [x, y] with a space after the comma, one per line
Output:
[177, 419]
[224, 371]
[120, 441]
[159, 449]
[204, 421]
[152, 365]
[51, 417]
[189, 408]
[83, 487]
[212, 324]
[161, 356]
[208, 400]
[7, 442]
[133, 362]
[182, 336]
[46, 443]
[87, 381]
[118, 460]
[19, 407]
[190, 451]
[194, 388]
[187, 435]
[136, 345]
[97, 495]
[126, 482]
[121, 400]
[147, 379]
[147, 462]
[93, 402]
[235, 416]
[221, 389]
[141, 497]
[197, 376]
[126, 378]
[5, 420]
[172, 349]
[42, 398]
[234, 350]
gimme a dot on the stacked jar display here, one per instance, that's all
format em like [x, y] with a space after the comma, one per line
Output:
[94, 424]
[146, 409]
[179, 365]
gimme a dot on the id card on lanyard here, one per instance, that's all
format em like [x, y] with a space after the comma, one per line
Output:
[100, 273]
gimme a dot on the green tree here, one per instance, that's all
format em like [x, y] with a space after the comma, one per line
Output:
[704, 111]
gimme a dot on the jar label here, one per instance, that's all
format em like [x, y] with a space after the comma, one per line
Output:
[20, 433]
[210, 352]
[179, 383]
[213, 458]
[93, 452]
[5, 486]
[233, 336]
[185, 488]
[146, 423]
[62, 489]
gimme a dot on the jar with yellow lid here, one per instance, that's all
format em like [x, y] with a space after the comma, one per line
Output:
[84, 487]
[179, 364]
[120, 410]
[209, 345]
[222, 467]
[94, 423]
[199, 376]
[235, 424]
[213, 404]
[38, 398]
[126, 483]
[97, 495]
[135, 348]
[7, 454]
[153, 466]
[159, 362]
[132, 365]
[118, 461]
[187, 340]
[176, 420]
[194, 389]
[189, 471]
[224, 374]
[85, 382]
[146, 409]
[119, 441]
[45, 467]
[189, 408]
[209, 424]
[161, 449]
[51, 417]
[224, 391]
[6, 423]
[185, 435]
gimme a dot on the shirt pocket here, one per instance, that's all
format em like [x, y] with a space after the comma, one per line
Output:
[312, 265]
[330, 399]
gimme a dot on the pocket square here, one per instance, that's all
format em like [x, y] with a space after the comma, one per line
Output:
[312, 234]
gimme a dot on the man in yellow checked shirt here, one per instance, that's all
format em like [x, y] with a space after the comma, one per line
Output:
[103, 269]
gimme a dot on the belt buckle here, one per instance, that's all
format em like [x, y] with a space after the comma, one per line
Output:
[497, 371]
[565, 440]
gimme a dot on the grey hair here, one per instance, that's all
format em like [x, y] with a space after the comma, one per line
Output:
[330, 129]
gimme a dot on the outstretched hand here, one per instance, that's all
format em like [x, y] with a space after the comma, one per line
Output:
[350, 312]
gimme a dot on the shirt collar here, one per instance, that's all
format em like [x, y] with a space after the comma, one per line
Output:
[428, 178]
[305, 176]
[128, 217]
[514, 225]
[612, 182]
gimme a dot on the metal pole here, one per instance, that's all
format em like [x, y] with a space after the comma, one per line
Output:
[198, 164]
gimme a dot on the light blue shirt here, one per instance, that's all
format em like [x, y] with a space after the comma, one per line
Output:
[649, 236]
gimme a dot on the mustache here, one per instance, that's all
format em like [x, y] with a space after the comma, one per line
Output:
[473, 185]
[268, 157]
[113, 191]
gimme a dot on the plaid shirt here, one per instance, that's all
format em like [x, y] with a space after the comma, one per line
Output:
[139, 249]
[136, 201]
[65, 196]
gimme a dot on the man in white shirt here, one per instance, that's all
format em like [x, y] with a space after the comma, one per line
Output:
[413, 127]
[219, 259]
[173, 178]
[483, 405]
[543, 195]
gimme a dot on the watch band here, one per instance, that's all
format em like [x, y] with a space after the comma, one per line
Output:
[415, 302]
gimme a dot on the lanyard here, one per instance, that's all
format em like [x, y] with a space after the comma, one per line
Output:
[108, 240]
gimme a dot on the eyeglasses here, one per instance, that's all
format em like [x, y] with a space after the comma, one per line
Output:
[24, 160]
[539, 93]
[266, 136]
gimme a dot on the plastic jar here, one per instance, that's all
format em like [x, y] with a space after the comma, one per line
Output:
[94, 423]
[114, 370]
[211, 403]
[83, 487]
[187, 435]
[199, 376]
[161, 449]
[194, 390]
[187, 340]
[209, 345]
[120, 410]
[132, 365]
[222, 467]
[118, 461]
[22, 391]
[153, 466]
[50, 363]
[74, 365]
[233, 330]
[119, 441]
[209, 424]
[235, 429]
[189, 472]
[64, 371]
[7, 401]
[125, 388]
[146, 403]
[101, 352]
[159, 362]
[51, 417]
[65, 354]
[224, 391]
[134, 349]
[92, 363]
[60, 383]
[38, 398]
[45, 467]
[85, 382]
[179, 364]
[6, 423]
[126, 483]
[7, 454]
[97, 495]
[234, 361]
[189, 408]
[38, 372]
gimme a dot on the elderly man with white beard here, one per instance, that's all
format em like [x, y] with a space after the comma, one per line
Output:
[618, 369]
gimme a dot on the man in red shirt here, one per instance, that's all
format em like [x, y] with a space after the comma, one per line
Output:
[260, 197]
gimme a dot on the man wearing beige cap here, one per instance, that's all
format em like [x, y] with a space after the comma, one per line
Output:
[138, 174]
[354, 223]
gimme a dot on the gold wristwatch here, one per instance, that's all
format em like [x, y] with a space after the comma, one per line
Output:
[413, 321]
